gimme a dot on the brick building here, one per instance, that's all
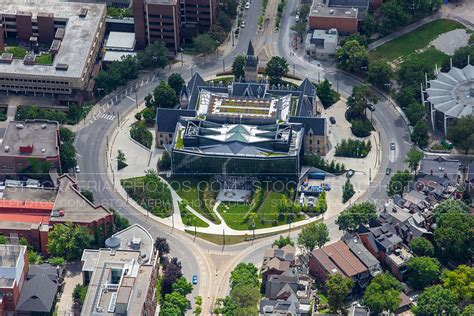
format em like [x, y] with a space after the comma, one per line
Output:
[28, 141]
[13, 270]
[171, 21]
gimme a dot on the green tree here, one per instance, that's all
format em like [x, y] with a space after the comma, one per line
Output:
[313, 235]
[182, 286]
[459, 58]
[379, 74]
[120, 222]
[68, 241]
[276, 68]
[360, 99]
[217, 33]
[282, 242]
[121, 160]
[382, 294]
[421, 247]
[300, 29]
[355, 215]
[165, 161]
[415, 112]
[168, 309]
[141, 134]
[238, 66]
[338, 287]
[420, 134]
[149, 115]
[176, 82]
[394, 16]
[245, 297]
[326, 94]
[413, 158]
[406, 96]
[369, 26]
[66, 135]
[398, 182]
[460, 281]
[422, 271]
[224, 21]
[153, 56]
[67, 154]
[435, 301]
[347, 191]
[204, 43]
[178, 300]
[461, 133]
[449, 205]
[412, 72]
[454, 235]
[79, 294]
[88, 195]
[164, 96]
[352, 57]
[244, 273]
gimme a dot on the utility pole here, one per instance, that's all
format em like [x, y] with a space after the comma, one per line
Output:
[136, 99]
[337, 86]
[118, 119]
[223, 65]
[294, 69]
[223, 238]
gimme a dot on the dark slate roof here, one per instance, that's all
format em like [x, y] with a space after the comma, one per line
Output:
[250, 50]
[307, 88]
[249, 90]
[166, 119]
[39, 289]
[441, 167]
[361, 4]
[250, 60]
[470, 171]
[193, 89]
[315, 124]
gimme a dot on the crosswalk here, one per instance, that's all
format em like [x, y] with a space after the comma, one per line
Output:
[106, 116]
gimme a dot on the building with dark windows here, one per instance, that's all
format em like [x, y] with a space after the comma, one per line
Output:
[171, 21]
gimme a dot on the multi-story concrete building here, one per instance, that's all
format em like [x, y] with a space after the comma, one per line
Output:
[171, 21]
[13, 270]
[62, 41]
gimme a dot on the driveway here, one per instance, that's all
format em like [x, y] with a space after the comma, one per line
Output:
[71, 279]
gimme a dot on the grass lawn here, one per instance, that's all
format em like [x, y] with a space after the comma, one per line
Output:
[432, 56]
[44, 59]
[190, 219]
[17, 51]
[417, 39]
[193, 191]
[151, 193]
[267, 214]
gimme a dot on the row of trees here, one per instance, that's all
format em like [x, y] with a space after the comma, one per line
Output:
[276, 68]
[244, 294]
[320, 163]
[353, 148]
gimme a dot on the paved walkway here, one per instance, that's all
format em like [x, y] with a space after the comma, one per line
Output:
[72, 278]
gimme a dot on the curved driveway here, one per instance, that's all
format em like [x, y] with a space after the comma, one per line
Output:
[210, 262]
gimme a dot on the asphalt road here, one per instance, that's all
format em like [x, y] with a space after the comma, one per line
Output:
[195, 255]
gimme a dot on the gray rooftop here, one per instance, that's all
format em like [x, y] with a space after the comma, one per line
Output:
[9, 255]
[30, 194]
[362, 253]
[120, 41]
[440, 167]
[41, 134]
[321, 10]
[135, 237]
[325, 35]
[76, 44]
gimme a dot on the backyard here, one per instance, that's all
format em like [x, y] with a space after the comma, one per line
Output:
[418, 39]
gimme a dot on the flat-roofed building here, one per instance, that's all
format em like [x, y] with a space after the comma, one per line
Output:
[13, 269]
[120, 283]
[325, 16]
[70, 34]
[26, 141]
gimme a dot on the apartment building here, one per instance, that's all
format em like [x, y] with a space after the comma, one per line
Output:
[171, 21]
[68, 34]
[13, 270]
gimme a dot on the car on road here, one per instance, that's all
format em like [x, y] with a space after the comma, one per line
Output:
[350, 173]
[332, 120]
[371, 107]
[247, 5]
[195, 279]
[78, 169]
[388, 171]
[242, 25]
[392, 146]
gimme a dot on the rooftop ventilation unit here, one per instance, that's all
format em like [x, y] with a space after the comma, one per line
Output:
[19, 126]
[62, 67]
[83, 12]
[6, 148]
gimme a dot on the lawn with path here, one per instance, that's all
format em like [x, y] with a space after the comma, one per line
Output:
[418, 39]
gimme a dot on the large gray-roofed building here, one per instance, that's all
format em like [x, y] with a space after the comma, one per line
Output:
[134, 237]
[440, 167]
[450, 96]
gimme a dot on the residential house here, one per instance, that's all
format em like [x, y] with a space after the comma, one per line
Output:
[38, 296]
[383, 242]
[440, 167]
[337, 258]
[358, 249]
[277, 261]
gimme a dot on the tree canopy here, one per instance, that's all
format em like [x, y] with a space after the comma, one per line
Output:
[435, 300]
[413, 158]
[164, 96]
[379, 74]
[460, 281]
[315, 234]
[326, 94]
[420, 134]
[352, 57]
[204, 43]
[449, 205]
[182, 286]
[276, 68]
[355, 215]
[338, 287]
[360, 99]
[398, 182]
[382, 294]
[421, 246]
[422, 271]
[283, 241]
[238, 66]
[153, 56]
[68, 241]
[176, 82]
[461, 133]
[244, 273]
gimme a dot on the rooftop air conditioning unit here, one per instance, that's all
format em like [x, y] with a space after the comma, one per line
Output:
[7, 148]
[43, 126]
[19, 126]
